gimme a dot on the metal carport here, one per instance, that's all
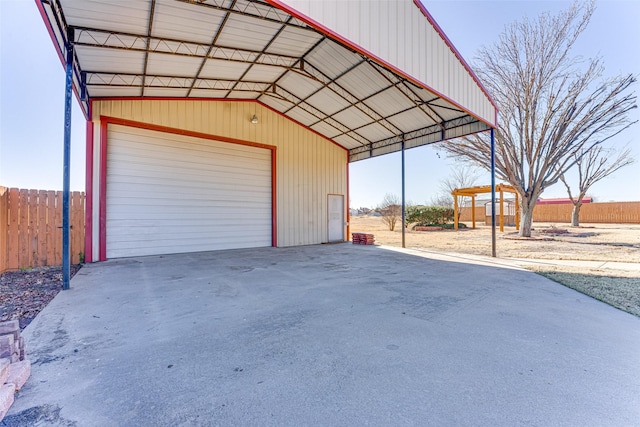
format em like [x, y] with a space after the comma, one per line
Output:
[373, 77]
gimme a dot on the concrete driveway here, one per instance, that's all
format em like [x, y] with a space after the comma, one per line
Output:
[330, 335]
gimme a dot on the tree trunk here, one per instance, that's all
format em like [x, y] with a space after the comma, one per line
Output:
[526, 219]
[575, 214]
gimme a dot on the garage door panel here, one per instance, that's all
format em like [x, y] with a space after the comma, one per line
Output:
[185, 226]
[194, 170]
[173, 193]
[156, 166]
[176, 195]
[187, 177]
[162, 144]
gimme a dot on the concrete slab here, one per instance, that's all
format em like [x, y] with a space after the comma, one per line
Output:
[326, 335]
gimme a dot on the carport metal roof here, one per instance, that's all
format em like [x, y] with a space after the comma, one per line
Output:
[258, 50]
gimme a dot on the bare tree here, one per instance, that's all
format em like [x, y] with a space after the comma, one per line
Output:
[592, 166]
[364, 211]
[391, 210]
[553, 107]
[461, 177]
[441, 199]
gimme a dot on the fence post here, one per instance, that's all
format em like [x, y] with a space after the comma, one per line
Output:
[4, 234]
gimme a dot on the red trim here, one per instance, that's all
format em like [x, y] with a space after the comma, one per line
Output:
[333, 35]
[274, 201]
[139, 98]
[88, 200]
[348, 203]
[177, 131]
[102, 255]
[52, 35]
[47, 23]
[167, 98]
[106, 120]
[455, 51]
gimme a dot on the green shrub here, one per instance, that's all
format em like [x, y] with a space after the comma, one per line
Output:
[429, 215]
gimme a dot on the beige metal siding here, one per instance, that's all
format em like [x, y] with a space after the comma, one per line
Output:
[397, 32]
[308, 166]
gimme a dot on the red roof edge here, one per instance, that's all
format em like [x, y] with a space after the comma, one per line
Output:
[47, 23]
[279, 4]
[562, 201]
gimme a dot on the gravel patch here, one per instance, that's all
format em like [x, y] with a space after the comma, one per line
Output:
[24, 293]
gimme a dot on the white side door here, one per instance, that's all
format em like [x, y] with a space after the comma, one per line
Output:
[335, 206]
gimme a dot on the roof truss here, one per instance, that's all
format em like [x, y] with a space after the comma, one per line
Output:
[249, 49]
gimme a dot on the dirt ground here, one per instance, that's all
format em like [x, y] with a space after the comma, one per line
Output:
[589, 242]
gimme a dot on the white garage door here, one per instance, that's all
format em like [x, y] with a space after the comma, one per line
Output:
[170, 193]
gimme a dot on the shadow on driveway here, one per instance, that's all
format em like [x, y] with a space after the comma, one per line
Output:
[326, 335]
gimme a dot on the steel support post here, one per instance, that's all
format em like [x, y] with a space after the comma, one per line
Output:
[493, 194]
[403, 199]
[66, 223]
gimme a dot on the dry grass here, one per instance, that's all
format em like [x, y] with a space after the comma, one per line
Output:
[602, 242]
[619, 289]
[591, 242]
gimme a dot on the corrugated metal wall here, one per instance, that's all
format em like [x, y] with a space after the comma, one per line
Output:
[397, 32]
[308, 167]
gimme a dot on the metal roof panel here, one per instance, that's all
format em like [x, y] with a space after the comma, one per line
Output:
[355, 117]
[374, 132]
[112, 91]
[363, 81]
[276, 103]
[332, 59]
[263, 73]
[302, 116]
[347, 141]
[164, 92]
[326, 129]
[246, 32]
[120, 16]
[411, 119]
[390, 101]
[294, 41]
[207, 93]
[327, 101]
[172, 65]
[110, 61]
[176, 20]
[301, 86]
[220, 69]
[243, 95]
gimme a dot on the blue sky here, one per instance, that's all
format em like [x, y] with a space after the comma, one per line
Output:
[32, 98]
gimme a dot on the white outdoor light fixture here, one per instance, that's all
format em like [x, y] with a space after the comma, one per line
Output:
[254, 119]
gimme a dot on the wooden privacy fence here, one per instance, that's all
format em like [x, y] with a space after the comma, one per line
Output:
[30, 227]
[604, 213]
[611, 213]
